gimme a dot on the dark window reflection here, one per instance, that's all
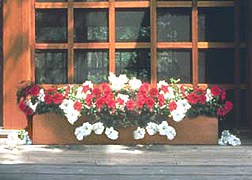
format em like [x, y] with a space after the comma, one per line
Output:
[243, 20]
[134, 63]
[174, 24]
[243, 65]
[51, 66]
[90, 65]
[51, 25]
[174, 64]
[133, 25]
[216, 66]
[90, 25]
[216, 24]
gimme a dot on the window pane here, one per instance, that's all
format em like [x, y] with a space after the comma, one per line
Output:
[243, 20]
[90, 25]
[243, 65]
[91, 65]
[51, 66]
[174, 64]
[174, 24]
[216, 66]
[51, 25]
[133, 25]
[216, 24]
[134, 63]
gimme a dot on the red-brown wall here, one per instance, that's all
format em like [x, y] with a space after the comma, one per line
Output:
[16, 59]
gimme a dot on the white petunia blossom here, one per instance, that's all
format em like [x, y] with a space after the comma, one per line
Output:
[32, 106]
[111, 133]
[80, 94]
[183, 106]
[72, 116]
[135, 83]
[83, 131]
[41, 95]
[124, 97]
[162, 128]
[170, 133]
[66, 105]
[123, 78]
[177, 115]
[139, 133]
[98, 128]
[89, 84]
[152, 128]
[209, 96]
[228, 139]
[161, 83]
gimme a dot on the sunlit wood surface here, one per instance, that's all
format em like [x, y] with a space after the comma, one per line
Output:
[126, 162]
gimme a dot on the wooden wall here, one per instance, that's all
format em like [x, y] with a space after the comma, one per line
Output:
[16, 59]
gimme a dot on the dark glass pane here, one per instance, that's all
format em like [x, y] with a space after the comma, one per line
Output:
[133, 25]
[174, 64]
[51, 66]
[229, 122]
[216, 24]
[90, 25]
[243, 65]
[51, 25]
[51, 0]
[243, 20]
[134, 63]
[90, 65]
[243, 109]
[174, 24]
[216, 66]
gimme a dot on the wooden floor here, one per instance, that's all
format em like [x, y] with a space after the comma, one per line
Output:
[126, 162]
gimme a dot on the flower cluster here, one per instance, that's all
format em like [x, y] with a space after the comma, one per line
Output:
[229, 139]
[124, 102]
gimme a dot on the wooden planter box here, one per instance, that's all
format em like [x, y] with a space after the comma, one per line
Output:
[55, 129]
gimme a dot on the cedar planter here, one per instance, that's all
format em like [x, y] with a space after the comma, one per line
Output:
[55, 129]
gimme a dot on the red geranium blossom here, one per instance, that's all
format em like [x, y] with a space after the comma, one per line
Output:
[22, 105]
[34, 91]
[153, 92]
[216, 91]
[172, 106]
[228, 106]
[77, 106]
[130, 105]
[57, 98]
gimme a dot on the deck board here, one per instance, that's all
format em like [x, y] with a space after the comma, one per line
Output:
[126, 162]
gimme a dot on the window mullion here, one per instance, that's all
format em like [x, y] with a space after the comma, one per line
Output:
[112, 36]
[70, 42]
[195, 67]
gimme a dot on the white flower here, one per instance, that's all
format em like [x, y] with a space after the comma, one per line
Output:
[80, 94]
[83, 131]
[124, 97]
[89, 84]
[66, 105]
[135, 83]
[177, 115]
[111, 133]
[41, 95]
[32, 106]
[139, 133]
[123, 78]
[170, 133]
[72, 115]
[152, 128]
[229, 139]
[161, 83]
[183, 106]
[162, 128]
[98, 128]
[112, 77]
[209, 96]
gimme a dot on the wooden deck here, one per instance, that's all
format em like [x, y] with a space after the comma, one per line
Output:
[109, 162]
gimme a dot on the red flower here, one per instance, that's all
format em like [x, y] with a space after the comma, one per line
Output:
[67, 91]
[77, 106]
[130, 105]
[28, 111]
[153, 92]
[221, 112]
[111, 103]
[150, 103]
[34, 90]
[161, 100]
[57, 98]
[144, 88]
[223, 95]
[216, 91]
[120, 101]
[85, 88]
[164, 88]
[201, 99]
[228, 106]
[100, 102]
[192, 99]
[22, 105]
[88, 99]
[96, 92]
[172, 105]
[48, 99]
